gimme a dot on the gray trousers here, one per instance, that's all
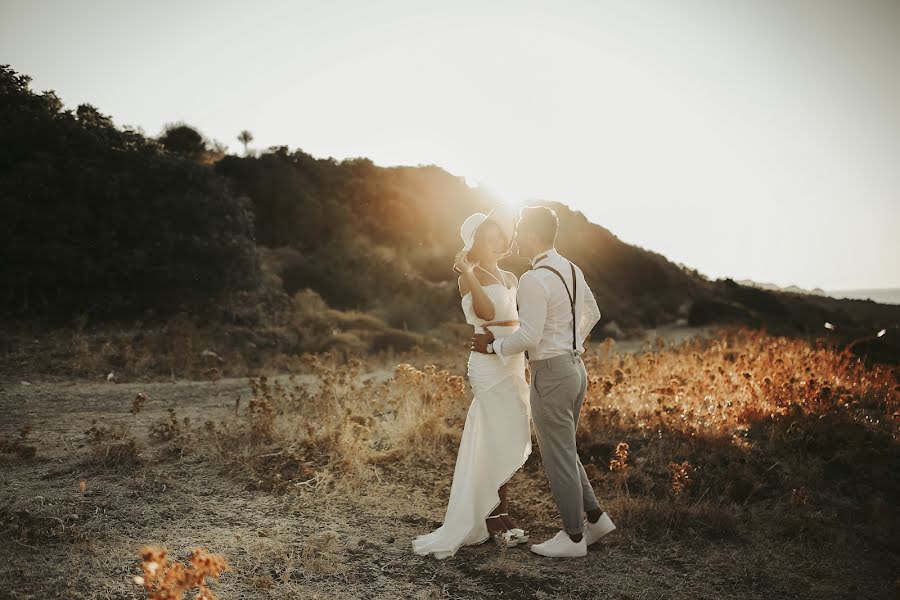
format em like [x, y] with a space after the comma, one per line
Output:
[558, 386]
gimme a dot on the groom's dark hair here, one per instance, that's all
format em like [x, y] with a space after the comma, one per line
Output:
[541, 220]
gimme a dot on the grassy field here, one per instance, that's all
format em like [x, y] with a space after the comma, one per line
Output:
[738, 465]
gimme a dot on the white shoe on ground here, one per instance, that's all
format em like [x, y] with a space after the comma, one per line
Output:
[561, 546]
[509, 538]
[594, 531]
[521, 534]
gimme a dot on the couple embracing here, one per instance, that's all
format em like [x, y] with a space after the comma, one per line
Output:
[543, 318]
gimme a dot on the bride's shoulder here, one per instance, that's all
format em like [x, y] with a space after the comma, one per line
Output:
[510, 278]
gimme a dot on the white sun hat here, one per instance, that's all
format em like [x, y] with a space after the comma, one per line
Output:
[503, 217]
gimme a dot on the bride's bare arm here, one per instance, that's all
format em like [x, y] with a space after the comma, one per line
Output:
[481, 302]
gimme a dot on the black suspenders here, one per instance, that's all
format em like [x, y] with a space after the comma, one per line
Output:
[572, 296]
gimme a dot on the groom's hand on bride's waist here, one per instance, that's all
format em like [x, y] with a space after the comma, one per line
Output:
[480, 342]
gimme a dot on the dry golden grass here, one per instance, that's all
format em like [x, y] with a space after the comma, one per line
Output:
[678, 442]
[742, 445]
[346, 429]
[739, 417]
[232, 337]
[743, 377]
[323, 553]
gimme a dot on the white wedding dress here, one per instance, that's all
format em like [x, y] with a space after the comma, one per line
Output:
[496, 439]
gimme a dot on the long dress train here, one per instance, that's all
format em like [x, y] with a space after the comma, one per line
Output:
[496, 439]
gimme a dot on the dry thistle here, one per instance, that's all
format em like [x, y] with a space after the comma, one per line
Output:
[682, 476]
[168, 580]
[620, 462]
[262, 418]
[138, 403]
[177, 434]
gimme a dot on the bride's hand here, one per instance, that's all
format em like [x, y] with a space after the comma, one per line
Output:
[461, 264]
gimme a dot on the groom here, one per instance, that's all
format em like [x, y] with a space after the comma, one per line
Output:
[557, 311]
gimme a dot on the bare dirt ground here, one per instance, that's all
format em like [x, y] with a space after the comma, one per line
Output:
[57, 541]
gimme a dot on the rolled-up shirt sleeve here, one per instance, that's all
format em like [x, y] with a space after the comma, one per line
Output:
[590, 314]
[532, 298]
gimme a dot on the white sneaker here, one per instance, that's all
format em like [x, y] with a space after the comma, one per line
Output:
[561, 546]
[594, 531]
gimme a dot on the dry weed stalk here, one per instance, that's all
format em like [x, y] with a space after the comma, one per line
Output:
[138, 403]
[112, 444]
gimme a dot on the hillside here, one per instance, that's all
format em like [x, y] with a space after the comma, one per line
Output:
[777, 288]
[382, 239]
[406, 220]
[104, 226]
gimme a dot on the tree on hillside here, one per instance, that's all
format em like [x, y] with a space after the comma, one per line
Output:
[90, 116]
[245, 137]
[94, 219]
[184, 140]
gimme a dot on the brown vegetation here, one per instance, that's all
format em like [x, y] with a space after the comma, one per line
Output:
[713, 454]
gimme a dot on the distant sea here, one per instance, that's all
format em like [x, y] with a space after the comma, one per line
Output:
[884, 296]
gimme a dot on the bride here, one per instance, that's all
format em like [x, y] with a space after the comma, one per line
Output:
[496, 439]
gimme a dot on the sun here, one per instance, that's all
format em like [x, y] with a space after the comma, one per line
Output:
[506, 195]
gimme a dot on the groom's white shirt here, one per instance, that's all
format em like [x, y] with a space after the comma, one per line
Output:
[545, 315]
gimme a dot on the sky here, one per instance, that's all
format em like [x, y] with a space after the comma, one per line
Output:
[751, 139]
